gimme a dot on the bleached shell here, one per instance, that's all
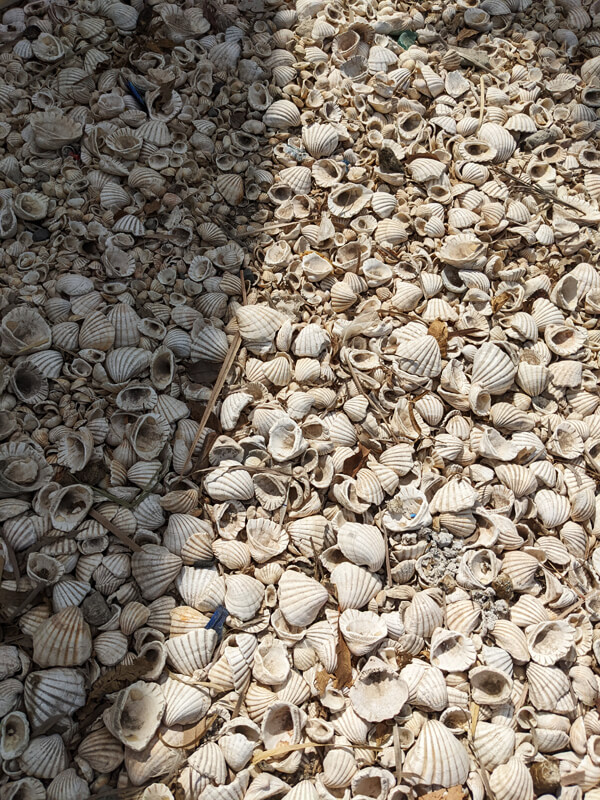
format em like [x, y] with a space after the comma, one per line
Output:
[378, 692]
[493, 744]
[282, 115]
[362, 544]
[298, 178]
[300, 598]
[362, 630]
[490, 686]
[184, 703]
[320, 140]
[520, 480]
[191, 651]
[154, 569]
[550, 641]
[512, 781]
[493, 369]
[339, 766]
[426, 169]
[124, 363]
[420, 357]
[425, 613]
[383, 204]
[510, 638]
[258, 323]
[355, 586]
[451, 651]
[499, 138]
[63, 640]
[553, 509]
[224, 484]
[437, 757]
[457, 495]
[50, 693]
[462, 250]
[101, 750]
[348, 200]
[135, 714]
[45, 757]
[231, 189]
[243, 596]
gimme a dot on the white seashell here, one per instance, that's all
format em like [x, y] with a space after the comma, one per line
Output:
[282, 115]
[493, 369]
[191, 651]
[493, 744]
[258, 323]
[300, 598]
[512, 780]
[378, 692]
[451, 651]
[355, 586]
[362, 544]
[437, 757]
[320, 140]
[63, 640]
[136, 714]
[362, 630]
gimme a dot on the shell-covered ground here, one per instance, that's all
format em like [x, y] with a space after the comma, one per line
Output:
[300, 429]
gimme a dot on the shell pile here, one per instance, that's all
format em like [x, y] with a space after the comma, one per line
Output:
[300, 429]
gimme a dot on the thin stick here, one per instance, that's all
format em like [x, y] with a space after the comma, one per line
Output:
[481, 100]
[214, 395]
[99, 517]
[533, 188]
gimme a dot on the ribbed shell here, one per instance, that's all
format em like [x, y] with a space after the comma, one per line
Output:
[420, 357]
[63, 640]
[438, 757]
[493, 369]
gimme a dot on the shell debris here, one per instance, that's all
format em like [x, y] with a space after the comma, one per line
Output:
[300, 430]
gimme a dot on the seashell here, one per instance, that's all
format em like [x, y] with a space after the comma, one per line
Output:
[320, 140]
[355, 586]
[300, 598]
[191, 651]
[63, 640]
[282, 115]
[45, 757]
[512, 779]
[493, 369]
[362, 630]
[379, 692]
[362, 544]
[424, 758]
[493, 744]
[135, 714]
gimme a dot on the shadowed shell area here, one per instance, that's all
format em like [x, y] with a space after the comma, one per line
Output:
[299, 402]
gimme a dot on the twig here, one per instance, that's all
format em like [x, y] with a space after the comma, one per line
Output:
[397, 754]
[533, 188]
[481, 100]
[99, 517]
[214, 395]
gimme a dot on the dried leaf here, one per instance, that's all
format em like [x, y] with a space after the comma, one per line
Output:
[281, 750]
[474, 717]
[151, 207]
[439, 330]
[499, 300]
[322, 678]
[356, 462]
[203, 372]
[343, 669]
[117, 678]
[466, 33]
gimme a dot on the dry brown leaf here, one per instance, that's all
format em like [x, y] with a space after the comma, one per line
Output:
[321, 680]
[116, 678]
[356, 462]
[343, 669]
[499, 300]
[439, 330]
